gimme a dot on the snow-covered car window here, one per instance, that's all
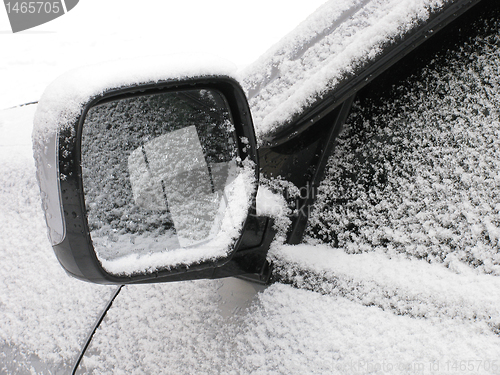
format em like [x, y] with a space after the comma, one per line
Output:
[155, 169]
[416, 169]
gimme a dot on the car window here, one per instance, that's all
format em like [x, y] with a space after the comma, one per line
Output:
[416, 168]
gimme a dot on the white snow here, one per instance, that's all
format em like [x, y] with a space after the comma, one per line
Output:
[331, 44]
[270, 202]
[416, 172]
[374, 313]
[63, 100]
[407, 287]
[43, 311]
[154, 329]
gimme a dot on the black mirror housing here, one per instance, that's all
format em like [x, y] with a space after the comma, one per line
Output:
[57, 140]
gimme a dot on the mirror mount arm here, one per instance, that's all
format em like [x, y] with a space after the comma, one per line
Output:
[253, 260]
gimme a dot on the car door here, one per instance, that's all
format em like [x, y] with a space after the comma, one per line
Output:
[398, 272]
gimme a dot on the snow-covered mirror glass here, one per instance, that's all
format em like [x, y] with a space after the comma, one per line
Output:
[162, 180]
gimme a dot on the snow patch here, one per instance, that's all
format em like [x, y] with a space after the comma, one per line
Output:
[335, 42]
[44, 313]
[64, 99]
[404, 286]
[415, 170]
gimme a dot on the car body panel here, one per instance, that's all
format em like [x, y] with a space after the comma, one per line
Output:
[179, 329]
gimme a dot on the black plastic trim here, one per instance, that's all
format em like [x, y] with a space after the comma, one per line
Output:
[300, 221]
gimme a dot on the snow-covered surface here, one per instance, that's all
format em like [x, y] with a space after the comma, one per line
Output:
[406, 286]
[372, 312]
[44, 314]
[416, 171]
[270, 202]
[285, 331]
[64, 98]
[330, 45]
[369, 313]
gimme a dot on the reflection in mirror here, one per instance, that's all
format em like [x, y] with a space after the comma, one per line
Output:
[162, 180]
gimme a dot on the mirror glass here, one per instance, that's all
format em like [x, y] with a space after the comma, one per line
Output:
[162, 179]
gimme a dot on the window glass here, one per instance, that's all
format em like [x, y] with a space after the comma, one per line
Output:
[416, 170]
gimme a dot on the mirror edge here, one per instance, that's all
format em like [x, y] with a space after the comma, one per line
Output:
[75, 253]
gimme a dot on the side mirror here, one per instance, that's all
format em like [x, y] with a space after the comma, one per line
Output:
[147, 182]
